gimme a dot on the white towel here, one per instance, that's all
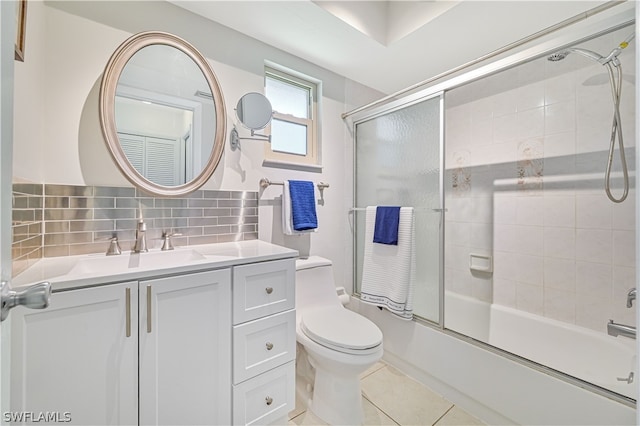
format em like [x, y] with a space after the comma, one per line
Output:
[388, 271]
[287, 217]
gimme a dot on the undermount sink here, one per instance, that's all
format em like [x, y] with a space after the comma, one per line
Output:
[149, 260]
[66, 272]
[218, 251]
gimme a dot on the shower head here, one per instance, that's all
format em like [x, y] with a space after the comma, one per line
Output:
[611, 58]
[558, 56]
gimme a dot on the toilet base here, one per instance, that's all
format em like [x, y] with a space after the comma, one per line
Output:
[337, 399]
[334, 380]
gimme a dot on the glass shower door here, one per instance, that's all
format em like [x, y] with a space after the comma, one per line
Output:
[398, 157]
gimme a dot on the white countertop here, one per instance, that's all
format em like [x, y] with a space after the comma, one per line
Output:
[96, 269]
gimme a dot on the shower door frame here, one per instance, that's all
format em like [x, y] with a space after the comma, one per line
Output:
[382, 111]
[576, 33]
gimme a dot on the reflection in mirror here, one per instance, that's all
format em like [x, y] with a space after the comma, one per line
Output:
[162, 114]
[254, 112]
[158, 112]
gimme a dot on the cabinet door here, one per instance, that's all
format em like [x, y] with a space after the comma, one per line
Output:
[185, 349]
[77, 360]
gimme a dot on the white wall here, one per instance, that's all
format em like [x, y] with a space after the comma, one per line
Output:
[58, 139]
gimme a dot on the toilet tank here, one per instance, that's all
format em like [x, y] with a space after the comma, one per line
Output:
[314, 283]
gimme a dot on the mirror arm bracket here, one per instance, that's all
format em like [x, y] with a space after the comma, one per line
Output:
[235, 138]
[258, 136]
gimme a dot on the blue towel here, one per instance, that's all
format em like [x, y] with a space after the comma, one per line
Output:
[303, 205]
[386, 228]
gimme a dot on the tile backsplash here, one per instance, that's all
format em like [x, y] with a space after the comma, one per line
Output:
[27, 227]
[65, 220]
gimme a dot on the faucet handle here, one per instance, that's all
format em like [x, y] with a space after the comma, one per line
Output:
[631, 296]
[166, 240]
[114, 247]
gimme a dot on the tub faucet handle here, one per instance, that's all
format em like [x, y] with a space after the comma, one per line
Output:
[631, 296]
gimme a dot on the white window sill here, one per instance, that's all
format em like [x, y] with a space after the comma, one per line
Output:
[293, 166]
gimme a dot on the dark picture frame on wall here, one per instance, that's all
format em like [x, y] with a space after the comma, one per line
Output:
[21, 23]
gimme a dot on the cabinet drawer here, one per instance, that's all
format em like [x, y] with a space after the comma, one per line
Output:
[263, 344]
[265, 398]
[262, 289]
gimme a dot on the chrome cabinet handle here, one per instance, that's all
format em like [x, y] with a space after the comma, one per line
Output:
[269, 346]
[35, 296]
[148, 309]
[128, 312]
[269, 290]
[269, 400]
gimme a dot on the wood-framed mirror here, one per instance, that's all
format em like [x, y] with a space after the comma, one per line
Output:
[162, 114]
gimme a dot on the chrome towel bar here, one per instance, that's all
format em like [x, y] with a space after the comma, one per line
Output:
[362, 209]
[265, 183]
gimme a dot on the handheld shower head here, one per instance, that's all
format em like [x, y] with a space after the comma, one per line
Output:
[586, 53]
[558, 56]
[611, 62]
[611, 57]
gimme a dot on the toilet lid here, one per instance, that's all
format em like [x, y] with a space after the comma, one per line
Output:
[339, 328]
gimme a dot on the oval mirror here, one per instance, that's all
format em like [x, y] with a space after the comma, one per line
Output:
[162, 114]
[254, 111]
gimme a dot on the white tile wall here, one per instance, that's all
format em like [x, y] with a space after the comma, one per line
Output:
[534, 151]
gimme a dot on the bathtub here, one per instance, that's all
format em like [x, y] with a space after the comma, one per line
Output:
[495, 388]
[586, 354]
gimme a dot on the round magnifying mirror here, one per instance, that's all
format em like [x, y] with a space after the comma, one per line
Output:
[254, 111]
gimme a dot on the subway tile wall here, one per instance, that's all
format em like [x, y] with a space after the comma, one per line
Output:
[526, 154]
[27, 229]
[65, 220]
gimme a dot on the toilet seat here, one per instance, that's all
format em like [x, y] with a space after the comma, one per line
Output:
[341, 330]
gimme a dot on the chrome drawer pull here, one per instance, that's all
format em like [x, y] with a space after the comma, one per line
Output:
[269, 290]
[149, 309]
[127, 294]
[269, 346]
[269, 400]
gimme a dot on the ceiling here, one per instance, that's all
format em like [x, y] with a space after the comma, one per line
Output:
[388, 45]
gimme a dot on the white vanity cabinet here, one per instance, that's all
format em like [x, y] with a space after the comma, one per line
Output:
[205, 342]
[264, 342]
[94, 352]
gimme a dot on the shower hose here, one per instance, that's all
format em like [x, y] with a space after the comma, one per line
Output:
[616, 129]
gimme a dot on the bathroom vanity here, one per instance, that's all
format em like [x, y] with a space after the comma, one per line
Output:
[198, 335]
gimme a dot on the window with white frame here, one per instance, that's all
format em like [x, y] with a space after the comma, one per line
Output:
[294, 127]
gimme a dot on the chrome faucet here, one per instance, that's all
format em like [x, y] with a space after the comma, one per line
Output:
[114, 247]
[141, 242]
[631, 296]
[166, 240]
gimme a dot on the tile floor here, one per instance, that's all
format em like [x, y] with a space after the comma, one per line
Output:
[392, 398]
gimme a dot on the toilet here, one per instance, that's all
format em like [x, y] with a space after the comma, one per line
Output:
[335, 345]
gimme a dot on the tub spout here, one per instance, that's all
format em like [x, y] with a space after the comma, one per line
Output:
[631, 296]
[614, 329]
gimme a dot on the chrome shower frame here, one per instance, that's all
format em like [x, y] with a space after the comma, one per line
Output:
[581, 31]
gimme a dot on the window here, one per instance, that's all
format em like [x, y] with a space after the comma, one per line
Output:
[294, 127]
